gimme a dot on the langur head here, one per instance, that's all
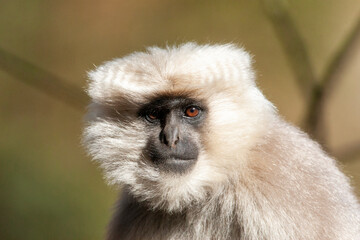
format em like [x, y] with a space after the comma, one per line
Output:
[173, 124]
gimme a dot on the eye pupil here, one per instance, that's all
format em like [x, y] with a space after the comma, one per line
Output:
[192, 112]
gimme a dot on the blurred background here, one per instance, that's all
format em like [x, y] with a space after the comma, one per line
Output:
[49, 188]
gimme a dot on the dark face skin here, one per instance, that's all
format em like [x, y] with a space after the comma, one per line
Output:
[174, 125]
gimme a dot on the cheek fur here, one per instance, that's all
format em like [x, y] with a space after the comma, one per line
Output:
[116, 146]
[234, 126]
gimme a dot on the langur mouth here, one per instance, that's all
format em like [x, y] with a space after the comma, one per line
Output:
[177, 165]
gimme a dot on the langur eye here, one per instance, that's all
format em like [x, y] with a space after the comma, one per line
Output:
[151, 117]
[192, 111]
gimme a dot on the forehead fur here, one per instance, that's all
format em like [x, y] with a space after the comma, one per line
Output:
[172, 69]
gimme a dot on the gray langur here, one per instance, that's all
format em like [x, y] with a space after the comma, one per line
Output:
[202, 154]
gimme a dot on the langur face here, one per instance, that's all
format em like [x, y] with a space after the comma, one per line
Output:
[174, 125]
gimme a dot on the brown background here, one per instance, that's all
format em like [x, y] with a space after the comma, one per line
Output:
[49, 187]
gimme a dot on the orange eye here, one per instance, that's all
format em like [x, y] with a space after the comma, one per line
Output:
[153, 117]
[192, 111]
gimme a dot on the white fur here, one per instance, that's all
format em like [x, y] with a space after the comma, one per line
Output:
[264, 178]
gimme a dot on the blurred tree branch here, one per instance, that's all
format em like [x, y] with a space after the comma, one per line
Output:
[314, 90]
[292, 43]
[41, 79]
[314, 118]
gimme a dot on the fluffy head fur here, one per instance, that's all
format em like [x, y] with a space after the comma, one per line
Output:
[261, 177]
[220, 75]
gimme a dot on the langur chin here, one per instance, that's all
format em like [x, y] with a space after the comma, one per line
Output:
[200, 153]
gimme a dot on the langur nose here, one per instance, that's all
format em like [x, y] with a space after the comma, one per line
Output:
[170, 136]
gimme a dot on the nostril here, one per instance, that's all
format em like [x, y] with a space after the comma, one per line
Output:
[172, 142]
[170, 136]
[173, 145]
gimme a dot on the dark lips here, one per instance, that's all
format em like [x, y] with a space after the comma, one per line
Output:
[178, 165]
